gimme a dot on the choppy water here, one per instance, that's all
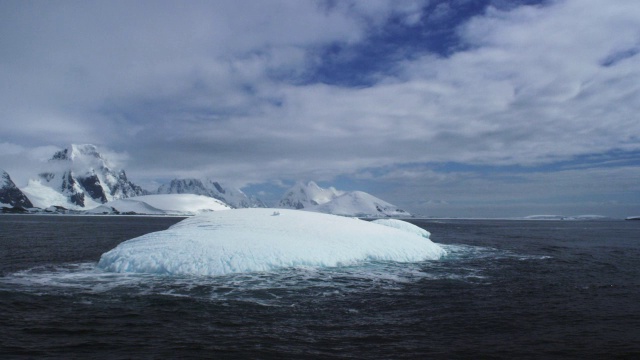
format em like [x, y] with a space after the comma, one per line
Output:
[525, 289]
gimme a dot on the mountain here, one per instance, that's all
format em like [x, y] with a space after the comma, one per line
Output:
[231, 196]
[10, 194]
[302, 196]
[312, 197]
[360, 204]
[80, 177]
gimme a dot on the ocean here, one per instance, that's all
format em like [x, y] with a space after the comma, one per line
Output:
[506, 289]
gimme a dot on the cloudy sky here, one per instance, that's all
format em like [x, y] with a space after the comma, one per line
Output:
[445, 108]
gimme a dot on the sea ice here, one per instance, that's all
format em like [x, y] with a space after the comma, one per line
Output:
[252, 240]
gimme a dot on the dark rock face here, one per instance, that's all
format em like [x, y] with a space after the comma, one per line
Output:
[291, 204]
[123, 188]
[77, 198]
[10, 194]
[91, 185]
[219, 188]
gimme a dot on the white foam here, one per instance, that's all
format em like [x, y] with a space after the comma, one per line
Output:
[253, 240]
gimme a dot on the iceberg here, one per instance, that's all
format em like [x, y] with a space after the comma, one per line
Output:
[254, 240]
[403, 225]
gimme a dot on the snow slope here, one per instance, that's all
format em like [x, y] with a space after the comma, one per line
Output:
[302, 196]
[44, 196]
[358, 203]
[165, 204]
[254, 240]
[404, 226]
[312, 197]
[10, 195]
[207, 187]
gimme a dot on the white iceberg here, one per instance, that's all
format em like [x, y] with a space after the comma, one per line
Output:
[403, 225]
[253, 240]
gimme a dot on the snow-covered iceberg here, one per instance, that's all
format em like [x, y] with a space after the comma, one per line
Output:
[403, 225]
[253, 240]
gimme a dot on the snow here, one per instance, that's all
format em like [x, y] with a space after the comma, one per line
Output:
[127, 206]
[165, 204]
[403, 225]
[303, 196]
[254, 240]
[229, 195]
[79, 173]
[358, 203]
[312, 197]
[43, 196]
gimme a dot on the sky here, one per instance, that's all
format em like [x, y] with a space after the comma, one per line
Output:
[467, 108]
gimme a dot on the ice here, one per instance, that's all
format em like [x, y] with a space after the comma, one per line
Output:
[403, 225]
[44, 196]
[253, 240]
[168, 204]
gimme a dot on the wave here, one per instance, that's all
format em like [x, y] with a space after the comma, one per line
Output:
[273, 288]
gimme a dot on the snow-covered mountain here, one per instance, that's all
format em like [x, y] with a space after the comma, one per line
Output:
[312, 197]
[231, 196]
[304, 196]
[10, 194]
[361, 204]
[80, 177]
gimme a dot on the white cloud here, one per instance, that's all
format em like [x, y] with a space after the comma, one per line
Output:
[197, 88]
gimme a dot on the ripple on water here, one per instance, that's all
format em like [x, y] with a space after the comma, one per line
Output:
[463, 263]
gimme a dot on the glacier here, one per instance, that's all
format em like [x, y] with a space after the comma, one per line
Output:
[258, 240]
[162, 204]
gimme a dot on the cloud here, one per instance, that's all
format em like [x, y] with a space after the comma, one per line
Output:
[23, 163]
[224, 89]
[477, 192]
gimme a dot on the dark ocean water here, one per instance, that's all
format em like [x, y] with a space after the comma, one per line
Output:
[507, 289]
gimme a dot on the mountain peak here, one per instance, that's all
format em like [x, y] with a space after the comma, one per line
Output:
[10, 194]
[75, 151]
[350, 203]
[302, 196]
[82, 176]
